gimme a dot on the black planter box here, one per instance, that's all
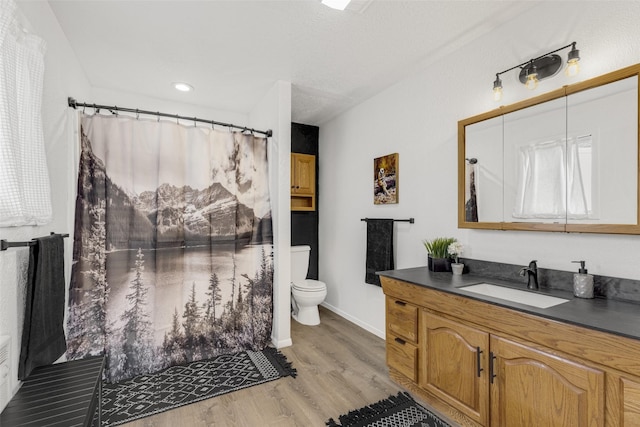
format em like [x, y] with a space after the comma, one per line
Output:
[439, 264]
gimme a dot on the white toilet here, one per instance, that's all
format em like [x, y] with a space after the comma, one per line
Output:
[306, 294]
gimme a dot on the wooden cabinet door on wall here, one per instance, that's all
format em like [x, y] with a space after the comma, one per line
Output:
[303, 182]
[535, 388]
[454, 358]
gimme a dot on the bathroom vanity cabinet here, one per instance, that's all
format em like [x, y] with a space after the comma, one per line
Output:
[487, 365]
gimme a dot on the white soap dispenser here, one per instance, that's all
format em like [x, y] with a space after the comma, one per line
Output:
[582, 282]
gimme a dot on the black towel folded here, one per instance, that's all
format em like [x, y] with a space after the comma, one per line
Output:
[379, 249]
[43, 340]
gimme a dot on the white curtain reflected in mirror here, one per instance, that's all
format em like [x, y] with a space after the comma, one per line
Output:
[546, 189]
[541, 181]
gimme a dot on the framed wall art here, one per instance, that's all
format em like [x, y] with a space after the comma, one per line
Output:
[385, 179]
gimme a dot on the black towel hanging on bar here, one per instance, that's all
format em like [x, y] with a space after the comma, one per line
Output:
[379, 249]
[43, 340]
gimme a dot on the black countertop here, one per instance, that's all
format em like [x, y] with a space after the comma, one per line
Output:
[612, 316]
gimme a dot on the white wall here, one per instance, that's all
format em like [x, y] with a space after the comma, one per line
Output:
[418, 119]
[63, 76]
[274, 112]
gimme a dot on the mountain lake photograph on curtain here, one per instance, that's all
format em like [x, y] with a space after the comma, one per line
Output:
[172, 258]
[385, 179]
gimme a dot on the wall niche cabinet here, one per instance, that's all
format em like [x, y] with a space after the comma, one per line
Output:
[486, 365]
[303, 182]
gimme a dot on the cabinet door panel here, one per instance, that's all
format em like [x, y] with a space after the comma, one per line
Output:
[304, 172]
[450, 365]
[535, 388]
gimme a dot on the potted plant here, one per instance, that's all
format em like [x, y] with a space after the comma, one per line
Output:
[438, 258]
[455, 249]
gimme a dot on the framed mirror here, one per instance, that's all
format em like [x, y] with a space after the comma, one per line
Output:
[563, 161]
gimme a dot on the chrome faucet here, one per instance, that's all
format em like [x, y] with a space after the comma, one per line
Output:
[532, 275]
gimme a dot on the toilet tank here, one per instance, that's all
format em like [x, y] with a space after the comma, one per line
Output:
[299, 262]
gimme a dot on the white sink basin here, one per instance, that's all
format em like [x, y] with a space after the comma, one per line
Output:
[514, 295]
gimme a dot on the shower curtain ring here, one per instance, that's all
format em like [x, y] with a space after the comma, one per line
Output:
[137, 114]
[194, 122]
[158, 115]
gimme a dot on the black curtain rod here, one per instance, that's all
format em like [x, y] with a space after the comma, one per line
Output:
[410, 220]
[4, 245]
[112, 108]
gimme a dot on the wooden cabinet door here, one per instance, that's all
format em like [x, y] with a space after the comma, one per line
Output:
[535, 388]
[623, 400]
[454, 362]
[303, 173]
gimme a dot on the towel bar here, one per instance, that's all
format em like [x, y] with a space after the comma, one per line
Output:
[410, 220]
[4, 245]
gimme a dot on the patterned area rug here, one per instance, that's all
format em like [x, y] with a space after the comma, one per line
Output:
[396, 411]
[176, 386]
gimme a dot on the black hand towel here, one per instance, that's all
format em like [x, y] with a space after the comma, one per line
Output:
[379, 248]
[43, 340]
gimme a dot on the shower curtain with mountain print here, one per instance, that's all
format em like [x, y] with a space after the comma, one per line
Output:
[172, 257]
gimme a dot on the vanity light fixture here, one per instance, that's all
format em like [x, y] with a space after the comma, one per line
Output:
[182, 87]
[542, 67]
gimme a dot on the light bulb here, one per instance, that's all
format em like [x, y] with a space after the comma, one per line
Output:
[497, 93]
[573, 68]
[497, 88]
[532, 81]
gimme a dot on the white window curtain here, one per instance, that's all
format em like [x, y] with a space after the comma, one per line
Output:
[551, 178]
[25, 192]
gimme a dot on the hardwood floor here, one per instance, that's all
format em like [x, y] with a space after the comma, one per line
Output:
[340, 366]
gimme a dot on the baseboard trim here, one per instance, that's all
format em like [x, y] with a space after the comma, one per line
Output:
[281, 343]
[354, 320]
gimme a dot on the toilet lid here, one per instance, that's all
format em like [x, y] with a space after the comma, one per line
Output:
[309, 285]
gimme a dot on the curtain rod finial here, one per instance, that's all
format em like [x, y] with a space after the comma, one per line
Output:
[71, 102]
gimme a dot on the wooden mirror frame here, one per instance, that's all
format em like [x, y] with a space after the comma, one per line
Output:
[614, 76]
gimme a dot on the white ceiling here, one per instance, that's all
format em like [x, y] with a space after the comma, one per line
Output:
[233, 51]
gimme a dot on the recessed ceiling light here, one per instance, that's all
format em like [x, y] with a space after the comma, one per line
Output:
[336, 4]
[183, 87]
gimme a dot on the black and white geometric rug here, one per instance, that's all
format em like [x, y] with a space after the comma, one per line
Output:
[176, 386]
[396, 411]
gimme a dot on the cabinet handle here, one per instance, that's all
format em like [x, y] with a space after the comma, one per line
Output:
[400, 341]
[402, 303]
[297, 186]
[478, 361]
[492, 374]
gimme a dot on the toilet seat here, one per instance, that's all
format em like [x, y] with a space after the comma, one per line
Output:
[309, 285]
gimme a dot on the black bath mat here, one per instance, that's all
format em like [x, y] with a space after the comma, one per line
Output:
[176, 386]
[396, 411]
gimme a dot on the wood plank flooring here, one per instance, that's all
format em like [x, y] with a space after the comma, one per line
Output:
[340, 366]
